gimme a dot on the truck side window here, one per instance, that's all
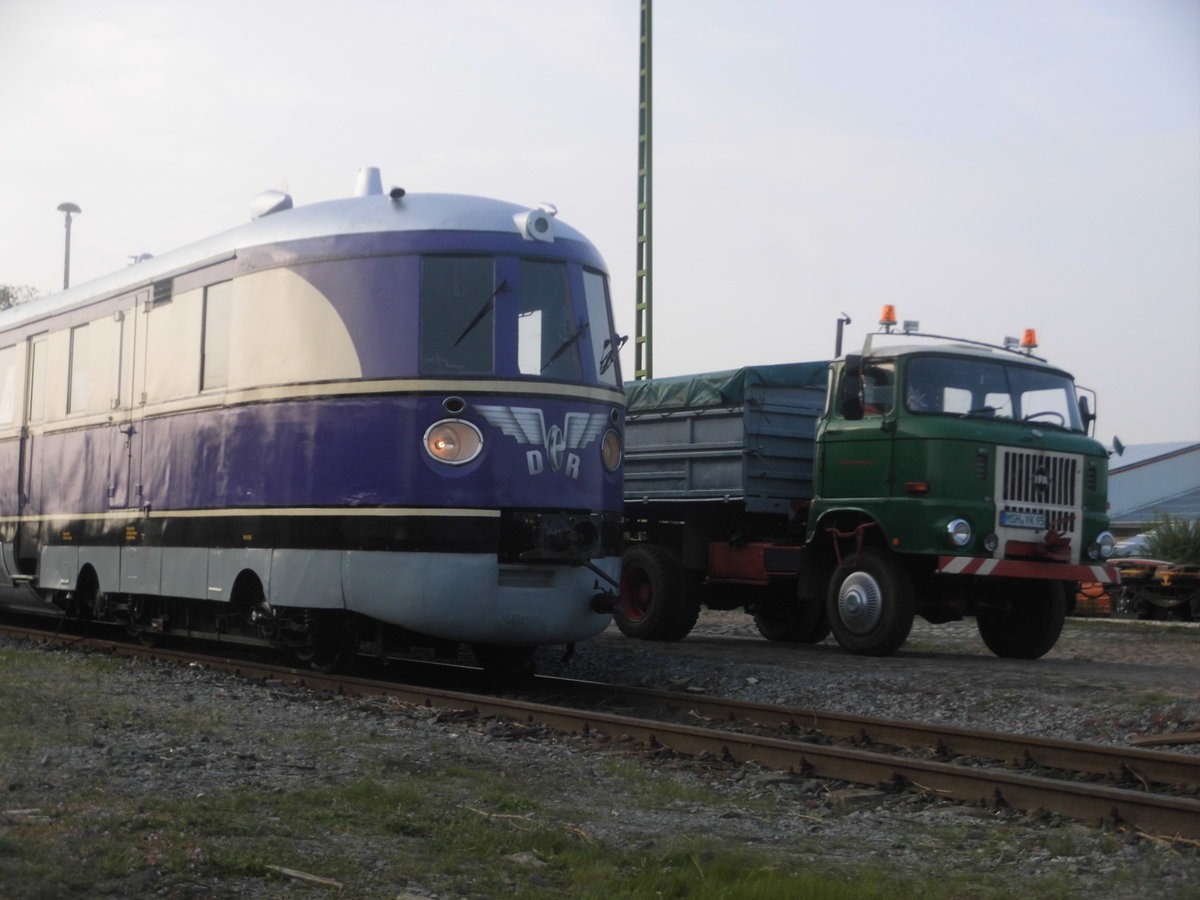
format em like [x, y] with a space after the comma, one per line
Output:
[879, 396]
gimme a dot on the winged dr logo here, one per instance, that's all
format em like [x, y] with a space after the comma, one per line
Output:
[528, 426]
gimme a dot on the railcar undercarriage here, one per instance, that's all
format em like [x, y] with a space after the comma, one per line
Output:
[325, 640]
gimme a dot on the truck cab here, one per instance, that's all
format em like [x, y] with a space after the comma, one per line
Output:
[965, 471]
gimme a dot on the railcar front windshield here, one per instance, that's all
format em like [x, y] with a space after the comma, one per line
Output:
[979, 388]
[481, 315]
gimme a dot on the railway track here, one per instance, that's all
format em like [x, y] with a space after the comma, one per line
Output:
[1152, 791]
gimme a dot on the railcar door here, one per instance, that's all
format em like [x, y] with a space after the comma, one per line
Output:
[124, 428]
[29, 468]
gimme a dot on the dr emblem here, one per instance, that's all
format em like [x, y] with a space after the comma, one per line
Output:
[528, 426]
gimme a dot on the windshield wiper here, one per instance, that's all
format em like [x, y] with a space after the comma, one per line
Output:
[567, 344]
[611, 352]
[483, 311]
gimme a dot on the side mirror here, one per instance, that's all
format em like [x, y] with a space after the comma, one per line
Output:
[852, 406]
[1086, 414]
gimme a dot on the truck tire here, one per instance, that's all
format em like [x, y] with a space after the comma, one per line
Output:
[1029, 623]
[654, 605]
[783, 616]
[871, 604]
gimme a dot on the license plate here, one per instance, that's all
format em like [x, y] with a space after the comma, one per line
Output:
[1023, 519]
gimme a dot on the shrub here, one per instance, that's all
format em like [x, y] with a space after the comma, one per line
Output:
[1175, 540]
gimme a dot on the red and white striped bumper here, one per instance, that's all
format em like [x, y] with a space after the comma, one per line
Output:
[1020, 568]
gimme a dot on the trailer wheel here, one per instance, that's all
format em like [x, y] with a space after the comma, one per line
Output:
[1028, 624]
[786, 617]
[871, 604]
[654, 605]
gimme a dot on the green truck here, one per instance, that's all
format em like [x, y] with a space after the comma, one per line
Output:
[921, 476]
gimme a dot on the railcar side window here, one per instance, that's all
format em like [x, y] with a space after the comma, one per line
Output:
[214, 350]
[8, 385]
[78, 382]
[547, 334]
[604, 342]
[38, 350]
[458, 300]
[123, 384]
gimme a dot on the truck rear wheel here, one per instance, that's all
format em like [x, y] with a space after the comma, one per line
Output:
[783, 616]
[654, 605]
[1026, 626]
[870, 604]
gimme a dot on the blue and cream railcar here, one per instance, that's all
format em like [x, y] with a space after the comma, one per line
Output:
[403, 410]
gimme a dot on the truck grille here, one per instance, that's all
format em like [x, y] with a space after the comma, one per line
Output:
[1038, 492]
[1039, 478]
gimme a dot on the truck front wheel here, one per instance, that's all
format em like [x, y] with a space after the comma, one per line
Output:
[1027, 625]
[654, 605]
[871, 604]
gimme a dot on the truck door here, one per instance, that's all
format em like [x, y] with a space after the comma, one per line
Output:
[856, 437]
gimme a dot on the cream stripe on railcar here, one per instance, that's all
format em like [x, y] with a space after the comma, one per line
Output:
[284, 331]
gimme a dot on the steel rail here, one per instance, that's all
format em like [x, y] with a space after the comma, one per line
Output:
[1154, 813]
[1120, 763]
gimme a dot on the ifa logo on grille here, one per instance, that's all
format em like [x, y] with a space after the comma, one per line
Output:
[1041, 479]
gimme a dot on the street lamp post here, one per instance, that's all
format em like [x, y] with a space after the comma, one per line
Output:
[68, 209]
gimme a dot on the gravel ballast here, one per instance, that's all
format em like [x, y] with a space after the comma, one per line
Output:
[138, 732]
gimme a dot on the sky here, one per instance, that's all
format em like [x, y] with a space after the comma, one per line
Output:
[986, 166]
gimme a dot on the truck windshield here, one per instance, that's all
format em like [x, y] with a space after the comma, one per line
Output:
[968, 387]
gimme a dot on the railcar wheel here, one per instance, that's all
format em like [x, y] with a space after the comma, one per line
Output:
[332, 643]
[654, 605]
[783, 616]
[1025, 626]
[871, 604]
[504, 662]
[141, 611]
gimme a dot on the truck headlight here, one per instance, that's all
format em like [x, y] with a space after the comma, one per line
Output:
[1103, 546]
[959, 532]
[453, 441]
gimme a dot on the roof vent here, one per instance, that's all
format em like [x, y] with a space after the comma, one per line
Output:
[368, 182]
[269, 202]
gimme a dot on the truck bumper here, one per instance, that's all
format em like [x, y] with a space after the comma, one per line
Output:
[1020, 568]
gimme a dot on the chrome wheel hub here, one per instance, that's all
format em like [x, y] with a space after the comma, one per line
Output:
[860, 603]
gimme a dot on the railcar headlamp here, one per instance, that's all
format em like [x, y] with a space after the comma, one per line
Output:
[453, 441]
[959, 532]
[610, 450]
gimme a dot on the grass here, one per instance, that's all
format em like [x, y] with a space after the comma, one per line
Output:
[340, 832]
[451, 824]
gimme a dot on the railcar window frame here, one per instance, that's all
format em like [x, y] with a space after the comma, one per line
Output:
[596, 297]
[78, 370]
[548, 347]
[216, 331]
[38, 373]
[8, 385]
[463, 342]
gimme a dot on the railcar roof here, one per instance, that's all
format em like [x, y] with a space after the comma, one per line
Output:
[374, 213]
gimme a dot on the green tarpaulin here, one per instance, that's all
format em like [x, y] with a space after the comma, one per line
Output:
[716, 389]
